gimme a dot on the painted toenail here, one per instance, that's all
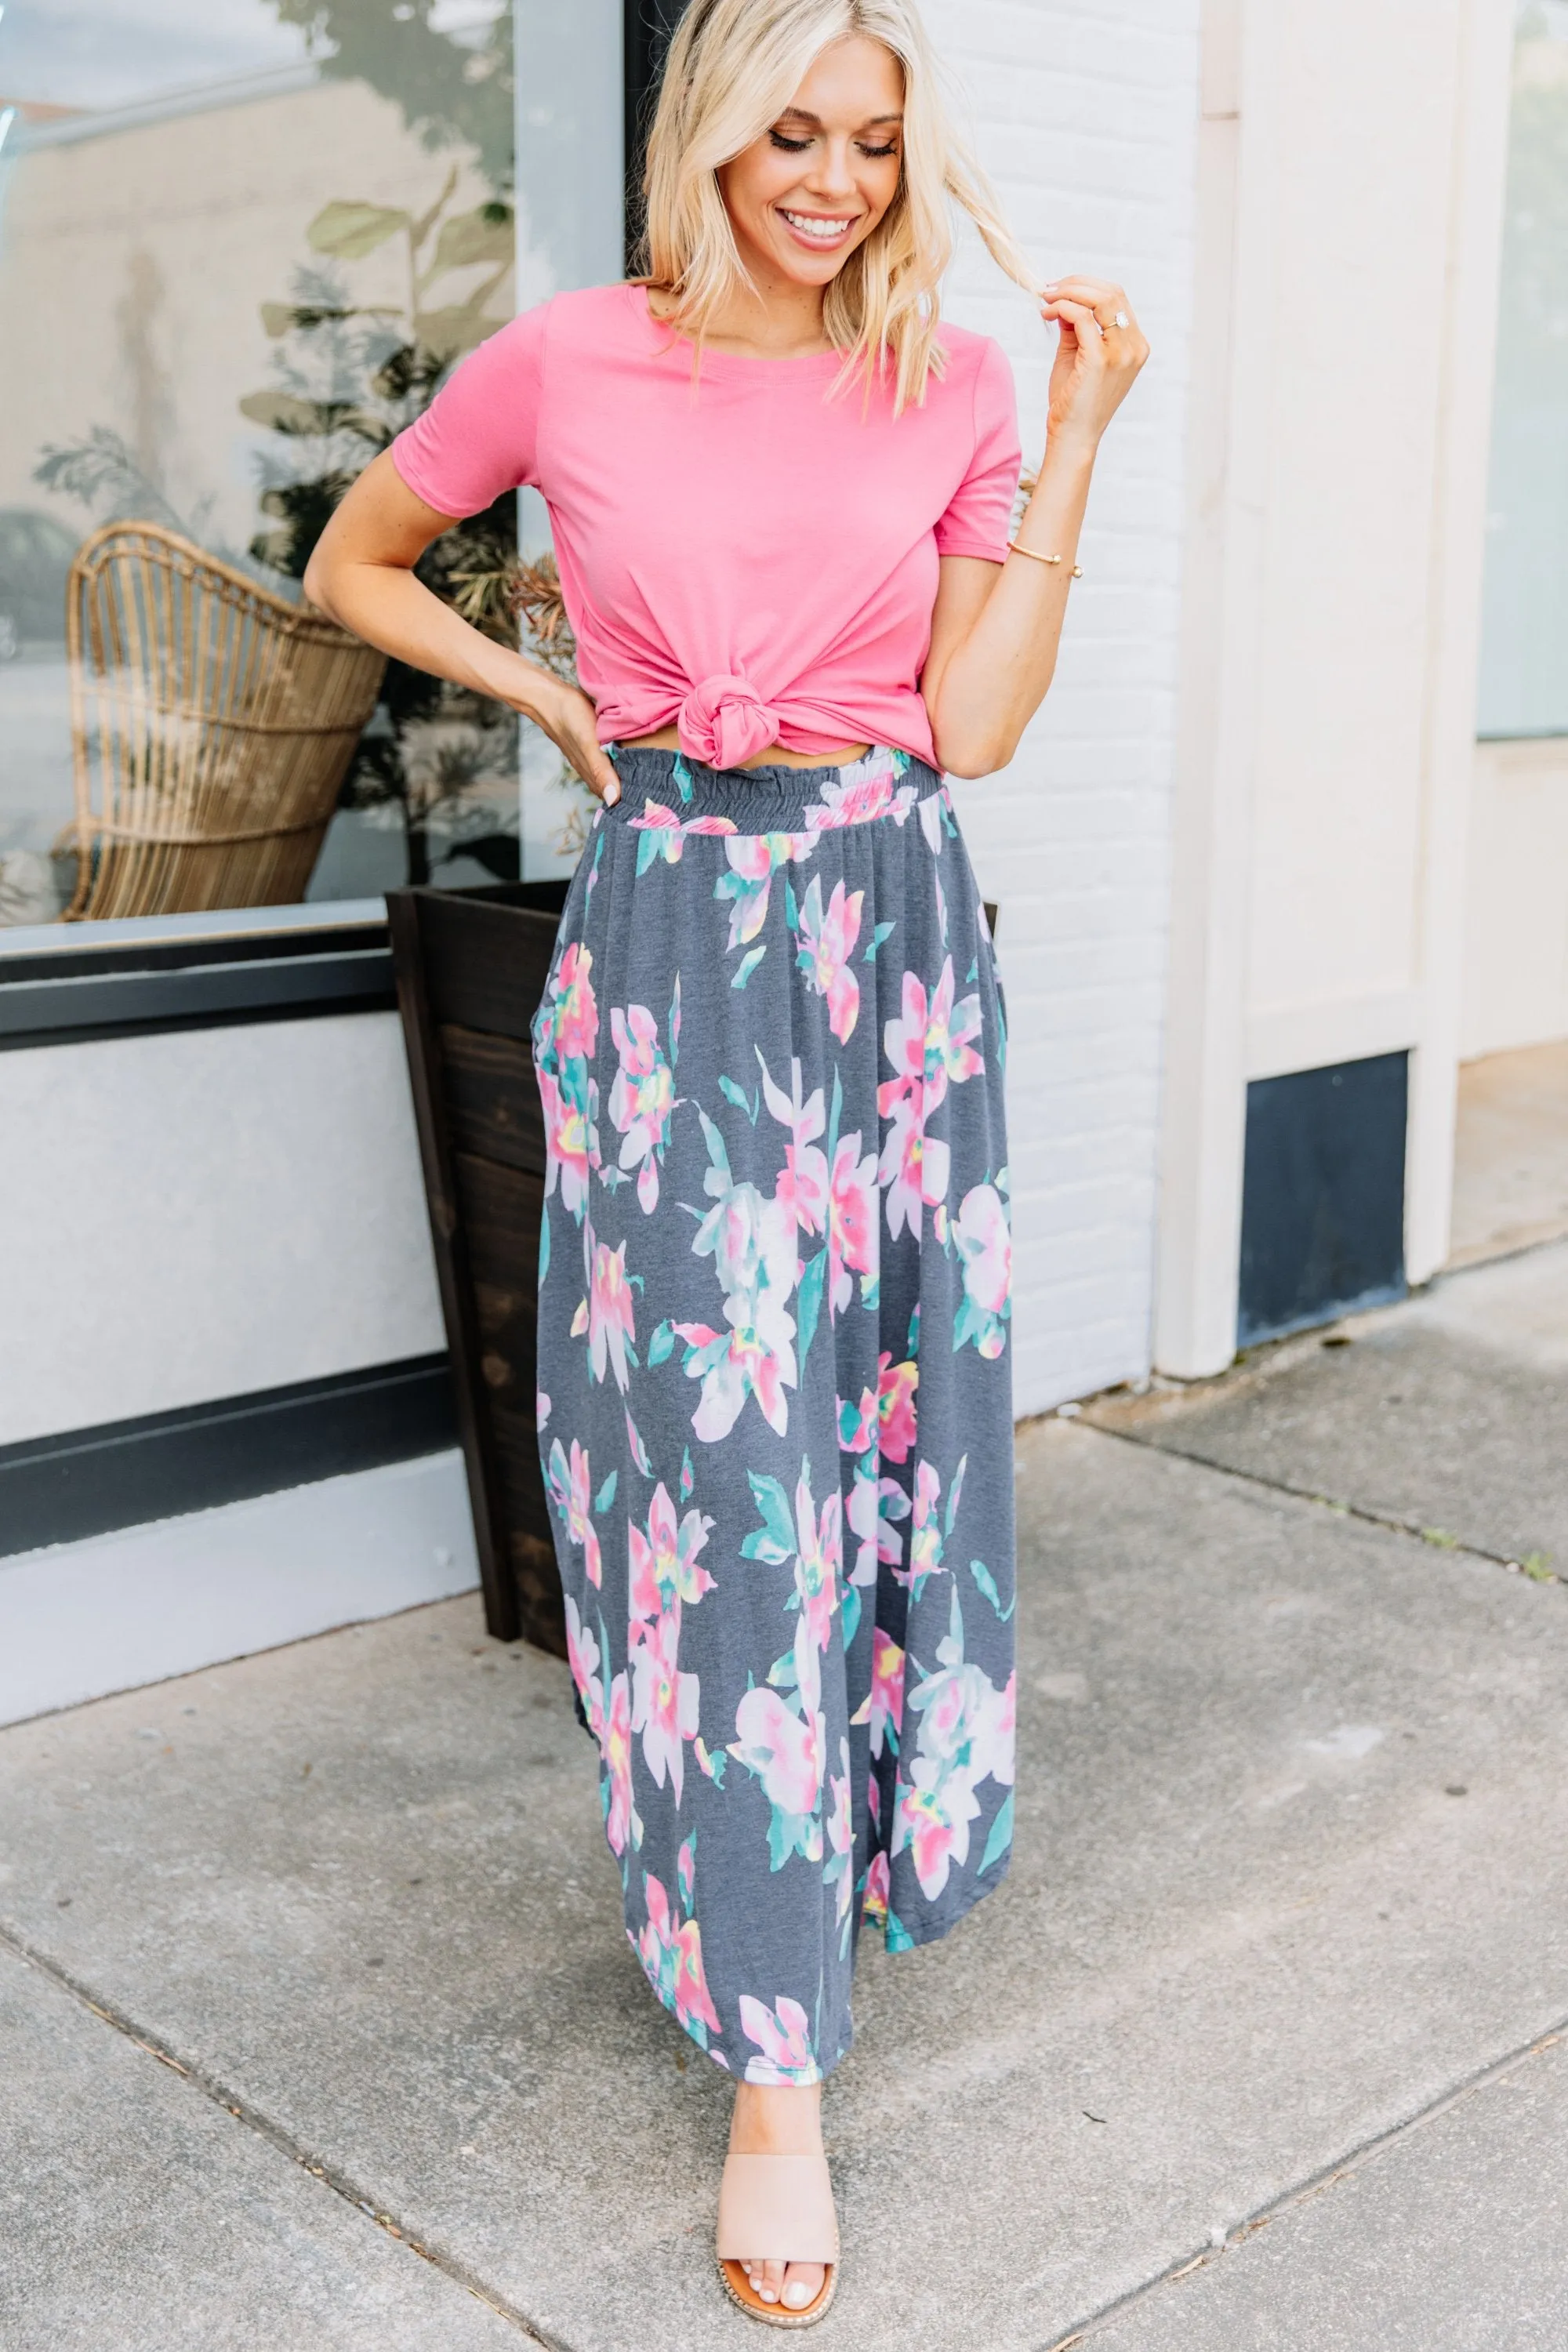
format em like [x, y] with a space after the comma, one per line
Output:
[797, 2294]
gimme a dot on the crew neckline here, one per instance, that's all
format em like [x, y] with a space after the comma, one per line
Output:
[820, 359]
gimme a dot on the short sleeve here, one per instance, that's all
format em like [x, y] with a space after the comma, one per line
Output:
[979, 515]
[478, 436]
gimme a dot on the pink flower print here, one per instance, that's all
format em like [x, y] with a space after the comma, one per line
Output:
[642, 1097]
[926, 1535]
[930, 815]
[887, 1710]
[565, 1141]
[662, 836]
[620, 1818]
[664, 1567]
[664, 1700]
[610, 1322]
[786, 1752]
[896, 1386]
[914, 1165]
[875, 1504]
[875, 1906]
[576, 1014]
[583, 1658]
[671, 1956]
[803, 1180]
[869, 788]
[857, 1423]
[783, 2034]
[754, 858]
[837, 1870]
[929, 1046]
[818, 1560]
[931, 1817]
[710, 824]
[853, 1240]
[827, 944]
[753, 1245]
[570, 1489]
[985, 1244]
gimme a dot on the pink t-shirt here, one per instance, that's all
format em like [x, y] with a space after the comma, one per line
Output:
[744, 556]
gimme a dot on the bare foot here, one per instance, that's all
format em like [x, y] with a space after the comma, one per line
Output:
[768, 2122]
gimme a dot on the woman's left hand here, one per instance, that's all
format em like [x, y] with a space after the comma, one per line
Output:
[1101, 351]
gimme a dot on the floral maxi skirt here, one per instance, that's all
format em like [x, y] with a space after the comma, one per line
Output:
[775, 1412]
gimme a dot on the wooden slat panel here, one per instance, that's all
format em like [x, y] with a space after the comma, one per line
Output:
[492, 1098]
[506, 1613]
[502, 1210]
[485, 966]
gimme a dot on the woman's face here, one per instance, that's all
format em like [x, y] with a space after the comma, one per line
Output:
[802, 197]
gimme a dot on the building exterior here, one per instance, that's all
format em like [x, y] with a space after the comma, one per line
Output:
[1262, 890]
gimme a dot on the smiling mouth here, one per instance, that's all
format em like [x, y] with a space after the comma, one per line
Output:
[812, 228]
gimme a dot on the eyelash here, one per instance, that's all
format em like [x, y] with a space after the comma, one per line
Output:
[799, 146]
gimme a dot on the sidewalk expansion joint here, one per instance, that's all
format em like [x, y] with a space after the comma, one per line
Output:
[331, 2177]
[1437, 1538]
[1313, 2185]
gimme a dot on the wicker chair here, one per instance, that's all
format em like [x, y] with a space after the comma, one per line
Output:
[212, 725]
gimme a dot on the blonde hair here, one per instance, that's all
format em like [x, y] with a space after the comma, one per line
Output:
[733, 68]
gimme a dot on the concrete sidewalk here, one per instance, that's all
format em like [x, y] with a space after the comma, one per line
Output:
[315, 1962]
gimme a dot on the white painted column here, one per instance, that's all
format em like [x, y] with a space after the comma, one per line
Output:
[1228, 465]
[1482, 85]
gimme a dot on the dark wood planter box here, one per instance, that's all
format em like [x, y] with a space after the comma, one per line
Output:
[471, 967]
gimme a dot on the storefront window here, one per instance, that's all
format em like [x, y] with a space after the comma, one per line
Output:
[241, 242]
[1524, 663]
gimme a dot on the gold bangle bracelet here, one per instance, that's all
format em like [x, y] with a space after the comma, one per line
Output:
[1036, 557]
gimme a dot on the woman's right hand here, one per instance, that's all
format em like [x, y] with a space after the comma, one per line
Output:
[569, 718]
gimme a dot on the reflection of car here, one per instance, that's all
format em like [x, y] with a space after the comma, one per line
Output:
[36, 555]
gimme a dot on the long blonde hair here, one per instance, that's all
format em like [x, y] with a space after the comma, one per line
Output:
[733, 68]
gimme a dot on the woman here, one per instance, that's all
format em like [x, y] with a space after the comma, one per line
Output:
[775, 1406]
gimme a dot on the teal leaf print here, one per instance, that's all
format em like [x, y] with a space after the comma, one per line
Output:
[1001, 1836]
[687, 1476]
[809, 1298]
[544, 1245]
[682, 775]
[952, 1495]
[849, 1610]
[880, 937]
[912, 1351]
[685, 1873]
[661, 1343]
[899, 1936]
[792, 909]
[987, 1583]
[973, 972]
[639, 1451]
[736, 1095]
[774, 1541]
[749, 964]
[606, 1495]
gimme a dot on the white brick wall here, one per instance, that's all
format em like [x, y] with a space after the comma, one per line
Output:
[1086, 118]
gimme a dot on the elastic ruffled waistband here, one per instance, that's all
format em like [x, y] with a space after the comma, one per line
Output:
[681, 792]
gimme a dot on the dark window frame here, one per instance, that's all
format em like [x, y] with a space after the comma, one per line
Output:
[149, 975]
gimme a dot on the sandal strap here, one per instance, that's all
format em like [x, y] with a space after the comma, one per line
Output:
[776, 2209]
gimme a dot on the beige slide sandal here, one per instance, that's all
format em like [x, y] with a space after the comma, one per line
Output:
[776, 2209]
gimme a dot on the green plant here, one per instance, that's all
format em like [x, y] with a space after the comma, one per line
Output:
[347, 376]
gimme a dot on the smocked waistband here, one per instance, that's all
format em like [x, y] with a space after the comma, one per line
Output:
[662, 789]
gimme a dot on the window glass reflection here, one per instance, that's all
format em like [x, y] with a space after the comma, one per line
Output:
[240, 242]
[1524, 662]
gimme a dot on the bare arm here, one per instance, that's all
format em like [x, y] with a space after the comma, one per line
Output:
[362, 573]
[997, 628]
